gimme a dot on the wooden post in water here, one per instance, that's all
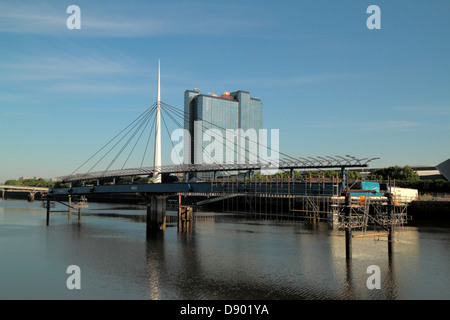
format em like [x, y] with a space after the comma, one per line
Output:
[391, 236]
[348, 229]
[184, 215]
[179, 210]
[184, 218]
[70, 206]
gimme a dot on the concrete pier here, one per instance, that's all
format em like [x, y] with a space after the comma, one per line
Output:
[156, 214]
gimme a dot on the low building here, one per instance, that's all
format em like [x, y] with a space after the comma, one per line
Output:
[444, 169]
[440, 171]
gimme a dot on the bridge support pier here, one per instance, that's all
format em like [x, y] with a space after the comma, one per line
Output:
[156, 214]
[48, 212]
[31, 197]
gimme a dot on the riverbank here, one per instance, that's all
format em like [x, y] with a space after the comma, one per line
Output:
[423, 209]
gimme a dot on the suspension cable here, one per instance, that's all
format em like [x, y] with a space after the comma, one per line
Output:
[139, 117]
[183, 114]
[195, 142]
[129, 140]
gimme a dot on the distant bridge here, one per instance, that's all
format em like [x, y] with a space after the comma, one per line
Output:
[31, 190]
[34, 190]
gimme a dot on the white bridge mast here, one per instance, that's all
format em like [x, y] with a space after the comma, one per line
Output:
[157, 160]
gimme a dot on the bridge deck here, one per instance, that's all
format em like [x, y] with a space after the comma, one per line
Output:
[218, 187]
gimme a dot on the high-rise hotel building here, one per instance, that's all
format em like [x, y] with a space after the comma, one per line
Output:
[235, 110]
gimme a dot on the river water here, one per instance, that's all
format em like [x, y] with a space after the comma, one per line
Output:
[223, 257]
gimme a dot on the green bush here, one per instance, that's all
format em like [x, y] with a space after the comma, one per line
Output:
[438, 186]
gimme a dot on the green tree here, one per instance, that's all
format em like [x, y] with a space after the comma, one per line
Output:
[30, 183]
[356, 175]
[395, 172]
[13, 182]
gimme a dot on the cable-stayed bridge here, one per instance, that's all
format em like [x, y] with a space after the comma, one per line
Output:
[160, 115]
[322, 195]
[108, 180]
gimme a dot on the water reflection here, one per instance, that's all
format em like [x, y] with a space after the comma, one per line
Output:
[155, 257]
[391, 281]
[348, 287]
[220, 256]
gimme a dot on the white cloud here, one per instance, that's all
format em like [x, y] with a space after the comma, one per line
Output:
[397, 125]
[301, 80]
[30, 18]
[391, 125]
[138, 19]
[60, 67]
[22, 114]
[269, 81]
[95, 88]
[429, 109]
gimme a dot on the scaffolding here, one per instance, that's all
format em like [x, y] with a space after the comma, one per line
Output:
[310, 198]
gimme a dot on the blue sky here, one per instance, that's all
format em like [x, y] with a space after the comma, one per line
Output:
[327, 82]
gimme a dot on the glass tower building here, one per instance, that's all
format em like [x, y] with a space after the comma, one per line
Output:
[210, 118]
